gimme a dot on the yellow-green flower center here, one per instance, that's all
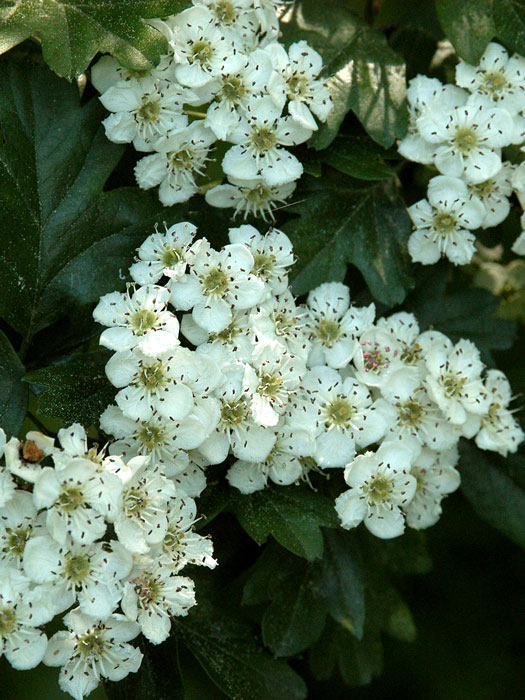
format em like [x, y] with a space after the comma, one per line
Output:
[378, 490]
[70, 499]
[201, 52]
[7, 621]
[171, 256]
[270, 384]
[152, 377]
[410, 412]
[224, 11]
[263, 140]
[77, 567]
[494, 82]
[465, 139]
[142, 321]
[233, 89]
[233, 413]
[327, 331]
[452, 385]
[297, 86]
[149, 112]
[16, 540]
[215, 282]
[151, 436]
[445, 222]
[91, 643]
[339, 413]
[263, 264]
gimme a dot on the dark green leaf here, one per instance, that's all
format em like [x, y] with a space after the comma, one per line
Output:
[234, 659]
[401, 623]
[340, 223]
[342, 583]
[76, 391]
[73, 241]
[268, 573]
[364, 74]
[495, 486]
[357, 156]
[292, 514]
[13, 392]
[471, 24]
[296, 616]
[73, 31]
[468, 313]
[404, 555]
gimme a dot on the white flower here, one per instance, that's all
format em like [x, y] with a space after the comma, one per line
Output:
[334, 327]
[283, 465]
[443, 223]
[142, 521]
[259, 137]
[20, 641]
[218, 282]
[181, 545]
[251, 197]
[143, 110]
[272, 255]
[237, 339]
[74, 443]
[191, 481]
[345, 417]
[271, 380]
[164, 385]
[295, 79]
[180, 156]
[90, 574]
[454, 380]
[236, 15]
[201, 49]
[236, 90]
[79, 499]
[500, 431]
[92, 650]
[164, 254]
[19, 523]
[380, 485]
[139, 319]
[153, 596]
[518, 246]
[497, 76]
[468, 139]
[436, 477]
[280, 319]
[236, 428]
[493, 195]
[424, 95]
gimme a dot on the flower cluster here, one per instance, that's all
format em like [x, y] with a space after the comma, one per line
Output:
[461, 130]
[280, 388]
[226, 78]
[84, 532]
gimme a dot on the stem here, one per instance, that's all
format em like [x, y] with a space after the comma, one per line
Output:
[209, 185]
[199, 115]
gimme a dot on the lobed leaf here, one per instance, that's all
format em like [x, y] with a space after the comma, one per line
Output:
[13, 392]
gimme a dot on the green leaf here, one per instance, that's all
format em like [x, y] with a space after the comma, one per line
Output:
[292, 514]
[234, 659]
[495, 487]
[342, 222]
[403, 555]
[296, 616]
[269, 572]
[76, 391]
[73, 31]
[362, 71]
[471, 24]
[355, 155]
[342, 583]
[13, 392]
[468, 313]
[71, 240]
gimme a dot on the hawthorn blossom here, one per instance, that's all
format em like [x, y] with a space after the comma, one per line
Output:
[251, 197]
[164, 254]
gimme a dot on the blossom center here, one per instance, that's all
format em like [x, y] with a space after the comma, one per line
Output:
[378, 489]
[224, 11]
[263, 140]
[465, 139]
[152, 377]
[181, 160]
[297, 86]
[410, 412]
[215, 282]
[77, 568]
[233, 89]
[339, 413]
[142, 321]
[91, 644]
[411, 354]
[171, 256]
[328, 331]
[444, 222]
[258, 195]
[16, 540]
[135, 501]
[70, 499]
[494, 82]
[7, 621]
[147, 590]
[151, 436]
[233, 413]
[201, 52]
[149, 112]
[263, 264]
[269, 384]
[284, 324]
[452, 385]
[374, 359]
[227, 335]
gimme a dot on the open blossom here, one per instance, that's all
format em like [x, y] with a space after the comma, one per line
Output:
[92, 650]
[19, 523]
[138, 319]
[164, 254]
[444, 222]
[250, 197]
[380, 486]
[499, 431]
[260, 137]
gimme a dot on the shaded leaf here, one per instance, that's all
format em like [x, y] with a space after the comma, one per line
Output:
[73, 241]
[296, 616]
[234, 659]
[362, 71]
[76, 391]
[353, 154]
[13, 392]
[271, 569]
[495, 487]
[342, 222]
[292, 514]
[471, 24]
[73, 31]
[342, 583]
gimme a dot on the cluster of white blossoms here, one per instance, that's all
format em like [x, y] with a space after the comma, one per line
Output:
[279, 389]
[461, 130]
[100, 538]
[226, 78]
